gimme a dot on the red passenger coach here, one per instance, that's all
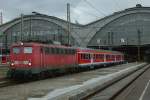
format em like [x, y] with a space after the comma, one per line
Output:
[92, 57]
[30, 59]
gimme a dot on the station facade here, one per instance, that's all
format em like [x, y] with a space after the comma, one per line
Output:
[35, 27]
[129, 27]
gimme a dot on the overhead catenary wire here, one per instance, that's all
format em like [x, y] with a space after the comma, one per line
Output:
[138, 1]
[73, 7]
[97, 15]
[88, 13]
[117, 4]
[92, 6]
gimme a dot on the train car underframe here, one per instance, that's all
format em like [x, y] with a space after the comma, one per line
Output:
[49, 72]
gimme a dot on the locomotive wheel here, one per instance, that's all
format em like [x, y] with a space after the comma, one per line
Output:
[9, 74]
[41, 75]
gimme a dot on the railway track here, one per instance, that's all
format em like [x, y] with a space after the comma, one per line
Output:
[4, 82]
[114, 89]
[9, 82]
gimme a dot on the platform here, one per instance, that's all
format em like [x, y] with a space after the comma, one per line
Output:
[44, 89]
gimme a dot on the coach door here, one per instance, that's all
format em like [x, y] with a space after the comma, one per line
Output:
[92, 58]
[42, 57]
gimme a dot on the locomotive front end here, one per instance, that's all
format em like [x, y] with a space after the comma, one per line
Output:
[20, 59]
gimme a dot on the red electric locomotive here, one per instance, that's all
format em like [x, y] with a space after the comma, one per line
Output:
[30, 59]
[35, 58]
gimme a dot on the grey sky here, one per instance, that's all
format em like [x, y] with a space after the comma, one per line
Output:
[84, 11]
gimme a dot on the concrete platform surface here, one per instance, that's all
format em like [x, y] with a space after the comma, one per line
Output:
[53, 87]
[79, 91]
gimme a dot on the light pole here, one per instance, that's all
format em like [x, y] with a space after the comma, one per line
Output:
[1, 53]
[68, 23]
[22, 26]
[1, 47]
[139, 44]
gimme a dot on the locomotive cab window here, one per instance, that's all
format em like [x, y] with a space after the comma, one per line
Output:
[46, 49]
[27, 50]
[53, 50]
[16, 50]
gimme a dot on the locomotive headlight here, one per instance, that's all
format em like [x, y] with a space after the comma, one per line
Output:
[12, 64]
[29, 64]
[21, 43]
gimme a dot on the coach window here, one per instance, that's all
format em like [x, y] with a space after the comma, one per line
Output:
[41, 50]
[63, 51]
[111, 57]
[84, 56]
[70, 51]
[27, 50]
[89, 56]
[60, 50]
[74, 51]
[57, 50]
[101, 56]
[81, 56]
[94, 56]
[47, 50]
[107, 56]
[97, 57]
[67, 51]
[16, 50]
[52, 50]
